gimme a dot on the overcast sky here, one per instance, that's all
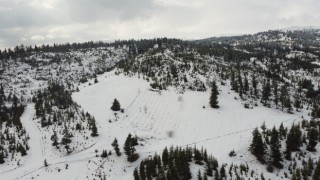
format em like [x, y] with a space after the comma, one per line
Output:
[46, 21]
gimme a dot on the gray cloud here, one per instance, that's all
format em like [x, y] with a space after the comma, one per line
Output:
[47, 21]
[28, 13]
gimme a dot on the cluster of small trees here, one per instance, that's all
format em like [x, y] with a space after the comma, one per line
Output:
[10, 114]
[310, 170]
[128, 147]
[12, 143]
[13, 137]
[161, 72]
[135, 47]
[267, 145]
[240, 85]
[275, 91]
[67, 134]
[67, 115]
[55, 95]
[174, 163]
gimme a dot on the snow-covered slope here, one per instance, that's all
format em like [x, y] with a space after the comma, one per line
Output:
[159, 119]
[163, 88]
[166, 118]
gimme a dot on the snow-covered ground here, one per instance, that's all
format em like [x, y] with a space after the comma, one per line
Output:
[37, 151]
[152, 116]
[159, 119]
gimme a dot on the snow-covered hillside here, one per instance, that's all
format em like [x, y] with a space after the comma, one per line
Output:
[67, 129]
[159, 119]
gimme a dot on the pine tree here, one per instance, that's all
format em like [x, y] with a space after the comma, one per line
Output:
[264, 128]
[246, 84]
[165, 157]
[223, 172]
[94, 129]
[134, 140]
[266, 92]
[161, 174]
[304, 172]
[1, 90]
[116, 105]
[297, 102]
[66, 136]
[205, 176]
[173, 173]
[197, 156]
[275, 146]
[282, 131]
[1, 157]
[129, 148]
[310, 166]
[304, 138]
[313, 139]
[240, 84]
[104, 154]
[55, 117]
[254, 85]
[43, 121]
[54, 138]
[22, 150]
[288, 105]
[136, 174]
[284, 96]
[275, 92]
[142, 171]
[45, 163]
[293, 141]
[257, 146]
[214, 96]
[298, 174]
[115, 146]
[199, 176]
[216, 175]
[232, 80]
[316, 174]
[208, 170]
[294, 176]
[185, 167]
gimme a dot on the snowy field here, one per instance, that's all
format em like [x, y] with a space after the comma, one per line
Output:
[167, 118]
[159, 119]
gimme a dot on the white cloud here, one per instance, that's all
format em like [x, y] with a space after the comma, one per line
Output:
[37, 38]
[24, 39]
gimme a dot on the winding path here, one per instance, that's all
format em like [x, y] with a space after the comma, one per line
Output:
[36, 153]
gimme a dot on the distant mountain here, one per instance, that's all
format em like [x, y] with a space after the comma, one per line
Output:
[287, 38]
[299, 28]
